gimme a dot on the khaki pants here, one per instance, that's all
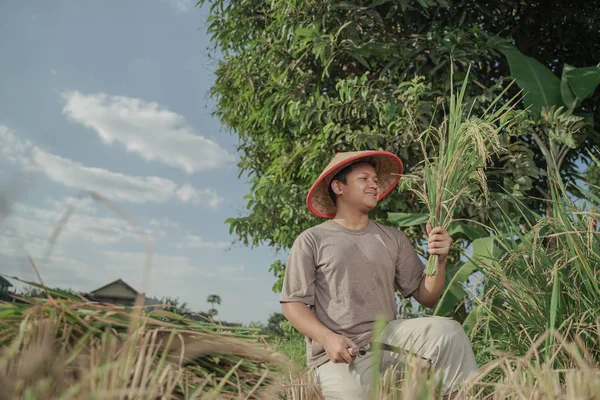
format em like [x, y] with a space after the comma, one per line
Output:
[441, 340]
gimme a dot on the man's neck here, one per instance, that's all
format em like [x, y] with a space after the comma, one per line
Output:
[351, 220]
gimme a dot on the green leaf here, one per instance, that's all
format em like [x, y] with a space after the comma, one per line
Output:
[344, 5]
[404, 4]
[539, 83]
[378, 3]
[361, 60]
[483, 249]
[305, 32]
[454, 293]
[583, 81]
[471, 319]
[565, 90]
[408, 219]
[423, 3]
[472, 231]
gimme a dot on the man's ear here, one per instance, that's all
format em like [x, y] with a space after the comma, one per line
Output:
[337, 187]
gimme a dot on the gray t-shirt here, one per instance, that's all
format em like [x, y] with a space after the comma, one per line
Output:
[347, 277]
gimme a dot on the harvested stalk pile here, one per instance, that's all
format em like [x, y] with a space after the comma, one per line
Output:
[69, 348]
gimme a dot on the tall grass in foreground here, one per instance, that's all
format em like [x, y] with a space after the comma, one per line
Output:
[64, 349]
[507, 377]
[293, 345]
[464, 143]
[535, 376]
[68, 349]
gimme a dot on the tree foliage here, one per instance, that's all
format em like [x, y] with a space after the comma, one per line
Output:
[299, 81]
[173, 305]
[213, 299]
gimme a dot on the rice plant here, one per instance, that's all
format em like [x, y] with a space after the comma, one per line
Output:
[535, 376]
[464, 144]
[529, 376]
[546, 281]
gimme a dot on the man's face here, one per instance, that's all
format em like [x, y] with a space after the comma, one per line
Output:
[361, 190]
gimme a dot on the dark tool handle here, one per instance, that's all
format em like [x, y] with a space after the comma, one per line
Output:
[359, 351]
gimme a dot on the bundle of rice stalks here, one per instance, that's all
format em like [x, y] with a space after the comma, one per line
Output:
[64, 348]
[464, 144]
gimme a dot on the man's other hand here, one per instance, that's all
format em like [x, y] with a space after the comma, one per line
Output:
[338, 348]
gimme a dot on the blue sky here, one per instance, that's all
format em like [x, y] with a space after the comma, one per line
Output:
[113, 97]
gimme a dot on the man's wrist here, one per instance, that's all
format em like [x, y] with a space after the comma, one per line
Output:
[442, 261]
[324, 335]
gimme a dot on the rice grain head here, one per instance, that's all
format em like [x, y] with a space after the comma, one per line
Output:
[465, 144]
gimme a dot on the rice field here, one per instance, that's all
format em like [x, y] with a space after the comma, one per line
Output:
[59, 348]
[66, 347]
[536, 330]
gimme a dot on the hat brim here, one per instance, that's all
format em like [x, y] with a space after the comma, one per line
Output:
[389, 170]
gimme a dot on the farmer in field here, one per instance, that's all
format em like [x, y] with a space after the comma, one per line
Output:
[341, 276]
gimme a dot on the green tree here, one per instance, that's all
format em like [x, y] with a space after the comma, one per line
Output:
[212, 300]
[298, 81]
[36, 290]
[174, 306]
[31, 291]
[275, 325]
[274, 328]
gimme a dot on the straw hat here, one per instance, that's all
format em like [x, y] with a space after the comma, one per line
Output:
[388, 168]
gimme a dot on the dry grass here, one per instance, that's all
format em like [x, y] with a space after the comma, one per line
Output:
[73, 350]
[65, 347]
[534, 376]
[508, 377]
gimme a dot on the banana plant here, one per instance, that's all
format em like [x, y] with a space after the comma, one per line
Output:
[543, 88]
[553, 104]
[483, 251]
[478, 238]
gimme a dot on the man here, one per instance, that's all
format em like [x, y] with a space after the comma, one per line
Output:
[342, 274]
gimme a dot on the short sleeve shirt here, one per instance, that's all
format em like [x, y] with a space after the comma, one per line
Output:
[348, 278]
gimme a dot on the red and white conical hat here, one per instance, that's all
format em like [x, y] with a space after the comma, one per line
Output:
[387, 166]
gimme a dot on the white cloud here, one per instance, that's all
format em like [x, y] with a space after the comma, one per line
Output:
[174, 268]
[55, 269]
[188, 194]
[85, 205]
[146, 128]
[164, 222]
[12, 148]
[197, 242]
[36, 224]
[181, 5]
[113, 185]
